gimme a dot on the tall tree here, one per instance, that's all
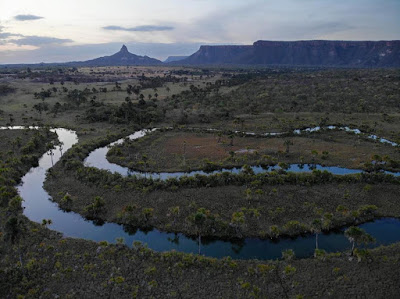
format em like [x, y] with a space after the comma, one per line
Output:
[357, 235]
[14, 230]
[316, 227]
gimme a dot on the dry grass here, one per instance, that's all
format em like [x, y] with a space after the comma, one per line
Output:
[172, 151]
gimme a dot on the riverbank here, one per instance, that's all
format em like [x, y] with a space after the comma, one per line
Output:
[54, 266]
[187, 150]
[42, 262]
[231, 211]
[234, 206]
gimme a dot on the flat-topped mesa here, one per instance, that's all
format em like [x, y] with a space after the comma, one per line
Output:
[328, 53]
[220, 55]
[174, 58]
[305, 53]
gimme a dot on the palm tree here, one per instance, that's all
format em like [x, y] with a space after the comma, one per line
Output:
[184, 152]
[46, 222]
[175, 213]
[231, 139]
[357, 235]
[199, 219]
[249, 195]
[14, 230]
[316, 228]
[238, 219]
[219, 137]
[51, 154]
[15, 205]
[239, 121]
[61, 147]
[287, 144]
[95, 207]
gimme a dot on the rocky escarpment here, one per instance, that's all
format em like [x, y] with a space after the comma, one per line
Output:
[307, 53]
[221, 55]
[174, 58]
[123, 57]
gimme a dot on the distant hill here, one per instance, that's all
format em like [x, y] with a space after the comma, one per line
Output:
[305, 53]
[286, 53]
[123, 57]
[175, 58]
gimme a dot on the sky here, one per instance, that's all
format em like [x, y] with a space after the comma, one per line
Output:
[33, 31]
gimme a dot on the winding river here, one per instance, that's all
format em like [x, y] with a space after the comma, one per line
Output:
[98, 158]
[37, 206]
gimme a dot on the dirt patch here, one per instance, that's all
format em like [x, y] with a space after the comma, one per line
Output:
[180, 151]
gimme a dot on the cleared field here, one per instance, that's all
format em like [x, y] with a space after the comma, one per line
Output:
[176, 150]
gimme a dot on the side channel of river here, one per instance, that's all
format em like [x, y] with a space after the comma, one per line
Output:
[38, 206]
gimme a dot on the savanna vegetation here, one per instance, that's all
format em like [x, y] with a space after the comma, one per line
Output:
[186, 150]
[104, 104]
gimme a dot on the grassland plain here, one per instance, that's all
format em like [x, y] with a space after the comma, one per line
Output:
[365, 99]
[256, 101]
[21, 102]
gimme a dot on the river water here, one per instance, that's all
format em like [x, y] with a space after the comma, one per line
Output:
[37, 206]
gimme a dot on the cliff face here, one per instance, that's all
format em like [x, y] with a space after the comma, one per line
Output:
[174, 58]
[220, 55]
[312, 53]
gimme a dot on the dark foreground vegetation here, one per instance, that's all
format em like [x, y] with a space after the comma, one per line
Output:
[36, 262]
[233, 205]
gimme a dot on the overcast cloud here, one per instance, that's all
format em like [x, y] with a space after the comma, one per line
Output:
[144, 28]
[100, 27]
[38, 40]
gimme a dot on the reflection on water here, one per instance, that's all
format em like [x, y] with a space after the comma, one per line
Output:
[37, 206]
[98, 159]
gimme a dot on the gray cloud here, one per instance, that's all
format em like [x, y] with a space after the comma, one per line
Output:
[332, 27]
[33, 40]
[4, 35]
[27, 17]
[313, 30]
[64, 53]
[38, 40]
[144, 28]
[273, 20]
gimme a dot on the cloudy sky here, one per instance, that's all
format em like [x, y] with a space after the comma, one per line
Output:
[59, 30]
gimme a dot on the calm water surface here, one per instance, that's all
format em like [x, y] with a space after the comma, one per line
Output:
[38, 206]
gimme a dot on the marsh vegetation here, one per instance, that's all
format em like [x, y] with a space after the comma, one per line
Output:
[104, 104]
